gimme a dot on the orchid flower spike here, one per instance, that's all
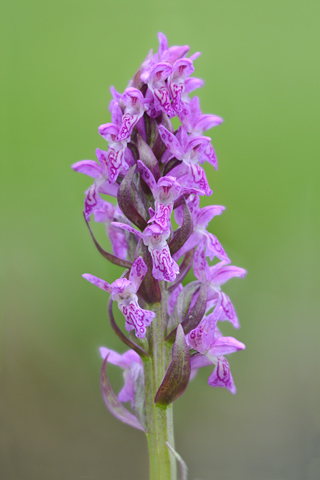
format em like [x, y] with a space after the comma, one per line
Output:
[146, 190]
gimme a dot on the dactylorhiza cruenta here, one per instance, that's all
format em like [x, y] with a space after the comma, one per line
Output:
[155, 173]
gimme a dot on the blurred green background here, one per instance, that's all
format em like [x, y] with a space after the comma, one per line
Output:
[260, 63]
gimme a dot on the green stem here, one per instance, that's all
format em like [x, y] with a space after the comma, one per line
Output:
[159, 418]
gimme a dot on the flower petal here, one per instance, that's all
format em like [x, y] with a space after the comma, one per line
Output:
[134, 109]
[181, 69]
[193, 241]
[127, 124]
[138, 272]
[163, 44]
[127, 227]
[184, 268]
[210, 156]
[118, 241]
[200, 263]
[140, 352]
[162, 215]
[92, 201]
[164, 267]
[102, 157]
[173, 298]
[147, 176]
[126, 394]
[123, 361]
[198, 179]
[205, 122]
[171, 142]
[88, 167]
[221, 376]
[206, 214]
[98, 282]
[136, 317]
[199, 360]
[215, 249]
[109, 131]
[113, 357]
[112, 402]
[175, 52]
[221, 273]
[225, 345]
[228, 311]
[192, 84]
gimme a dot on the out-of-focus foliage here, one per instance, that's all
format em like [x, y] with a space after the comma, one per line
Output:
[261, 70]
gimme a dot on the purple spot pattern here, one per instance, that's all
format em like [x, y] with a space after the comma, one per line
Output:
[139, 266]
[162, 95]
[162, 215]
[176, 91]
[164, 267]
[227, 307]
[197, 339]
[215, 249]
[199, 261]
[91, 201]
[128, 122]
[199, 179]
[221, 376]
[115, 159]
[136, 318]
[229, 312]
